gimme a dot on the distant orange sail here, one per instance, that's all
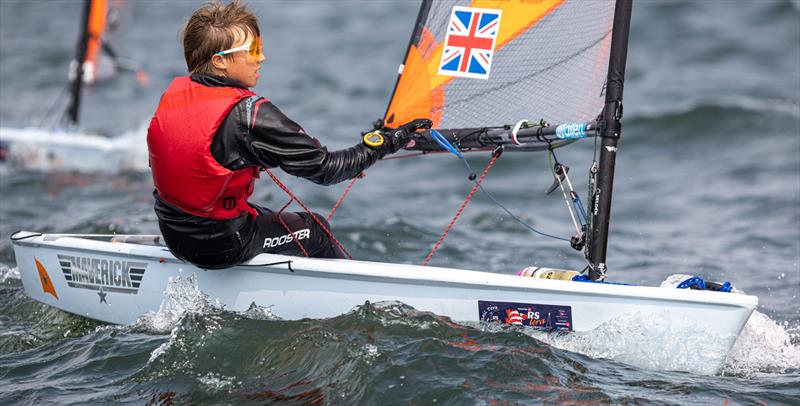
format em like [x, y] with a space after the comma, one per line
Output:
[535, 59]
[94, 30]
[47, 283]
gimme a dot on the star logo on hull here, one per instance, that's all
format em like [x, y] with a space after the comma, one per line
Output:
[102, 295]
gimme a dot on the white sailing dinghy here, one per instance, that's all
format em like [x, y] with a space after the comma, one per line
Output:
[465, 66]
[57, 145]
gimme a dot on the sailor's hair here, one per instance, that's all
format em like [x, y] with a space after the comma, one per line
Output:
[213, 28]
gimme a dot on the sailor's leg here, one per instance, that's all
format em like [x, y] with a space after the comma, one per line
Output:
[206, 251]
[272, 236]
[325, 247]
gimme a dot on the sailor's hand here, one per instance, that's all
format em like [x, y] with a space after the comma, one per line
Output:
[400, 137]
[390, 140]
[417, 124]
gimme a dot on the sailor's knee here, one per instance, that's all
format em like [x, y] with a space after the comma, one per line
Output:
[322, 220]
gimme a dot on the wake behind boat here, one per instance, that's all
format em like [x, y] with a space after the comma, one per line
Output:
[493, 76]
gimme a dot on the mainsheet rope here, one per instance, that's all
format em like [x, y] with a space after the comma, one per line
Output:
[495, 156]
[293, 197]
[346, 191]
[515, 217]
[286, 227]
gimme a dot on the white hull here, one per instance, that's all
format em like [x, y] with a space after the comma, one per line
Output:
[44, 150]
[321, 288]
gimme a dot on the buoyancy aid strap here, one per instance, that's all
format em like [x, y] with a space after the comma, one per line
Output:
[221, 192]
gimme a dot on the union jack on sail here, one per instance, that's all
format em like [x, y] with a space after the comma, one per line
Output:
[469, 45]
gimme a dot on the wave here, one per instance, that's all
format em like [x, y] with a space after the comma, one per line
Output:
[28, 325]
[8, 273]
[731, 104]
[376, 353]
[407, 355]
[764, 346]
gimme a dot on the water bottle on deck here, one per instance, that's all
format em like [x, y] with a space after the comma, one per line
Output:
[548, 273]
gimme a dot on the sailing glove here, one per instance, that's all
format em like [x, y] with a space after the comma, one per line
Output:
[395, 139]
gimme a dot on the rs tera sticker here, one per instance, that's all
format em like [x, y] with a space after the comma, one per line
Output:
[538, 316]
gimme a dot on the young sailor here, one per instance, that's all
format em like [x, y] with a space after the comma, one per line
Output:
[210, 136]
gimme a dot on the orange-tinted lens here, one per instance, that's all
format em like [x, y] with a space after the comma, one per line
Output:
[255, 48]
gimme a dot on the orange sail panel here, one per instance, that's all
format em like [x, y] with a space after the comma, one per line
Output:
[95, 28]
[492, 62]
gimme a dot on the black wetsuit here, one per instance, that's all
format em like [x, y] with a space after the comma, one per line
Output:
[273, 140]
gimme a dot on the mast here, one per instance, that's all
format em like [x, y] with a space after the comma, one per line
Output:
[610, 132]
[80, 56]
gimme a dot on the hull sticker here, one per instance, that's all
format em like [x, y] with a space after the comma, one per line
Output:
[538, 316]
[102, 274]
[44, 277]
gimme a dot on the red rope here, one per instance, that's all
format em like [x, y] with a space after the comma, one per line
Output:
[346, 190]
[362, 174]
[386, 158]
[285, 189]
[286, 226]
[461, 209]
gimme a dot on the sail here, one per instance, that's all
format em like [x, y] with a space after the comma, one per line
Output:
[483, 63]
[95, 58]
[95, 26]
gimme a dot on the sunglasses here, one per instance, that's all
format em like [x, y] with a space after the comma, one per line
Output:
[252, 47]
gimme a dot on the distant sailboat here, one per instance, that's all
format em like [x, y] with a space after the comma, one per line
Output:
[60, 146]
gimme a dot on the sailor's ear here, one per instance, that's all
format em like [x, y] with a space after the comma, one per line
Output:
[219, 62]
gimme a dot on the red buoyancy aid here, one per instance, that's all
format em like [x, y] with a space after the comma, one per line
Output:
[179, 139]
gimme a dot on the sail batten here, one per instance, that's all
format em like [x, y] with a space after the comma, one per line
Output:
[481, 63]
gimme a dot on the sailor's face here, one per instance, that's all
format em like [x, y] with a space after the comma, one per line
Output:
[243, 66]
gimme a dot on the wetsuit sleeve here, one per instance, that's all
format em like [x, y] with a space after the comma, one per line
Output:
[264, 136]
